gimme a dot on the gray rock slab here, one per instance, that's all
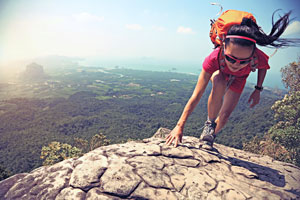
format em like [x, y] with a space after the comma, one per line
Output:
[146, 162]
[134, 149]
[87, 174]
[178, 152]
[155, 178]
[120, 180]
[43, 183]
[71, 193]
[146, 192]
[152, 170]
[96, 194]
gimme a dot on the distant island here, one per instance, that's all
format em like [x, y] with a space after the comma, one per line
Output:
[34, 72]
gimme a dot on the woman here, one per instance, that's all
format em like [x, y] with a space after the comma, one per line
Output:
[228, 67]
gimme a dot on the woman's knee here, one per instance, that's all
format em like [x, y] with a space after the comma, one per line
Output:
[218, 81]
[230, 101]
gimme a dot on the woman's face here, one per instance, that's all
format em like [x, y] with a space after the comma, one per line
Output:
[238, 52]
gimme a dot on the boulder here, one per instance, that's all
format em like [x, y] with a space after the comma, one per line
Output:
[149, 169]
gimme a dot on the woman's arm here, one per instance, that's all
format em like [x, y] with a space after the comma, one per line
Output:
[195, 98]
[261, 76]
[255, 96]
[177, 132]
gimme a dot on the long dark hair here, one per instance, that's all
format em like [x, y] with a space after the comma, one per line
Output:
[250, 29]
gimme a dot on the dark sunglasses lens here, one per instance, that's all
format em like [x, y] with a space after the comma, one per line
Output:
[229, 59]
[244, 62]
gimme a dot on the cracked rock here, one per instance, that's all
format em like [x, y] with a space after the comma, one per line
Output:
[88, 173]
[152, 170]
[120, 180]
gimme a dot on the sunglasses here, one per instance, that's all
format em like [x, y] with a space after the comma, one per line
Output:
[239, 61]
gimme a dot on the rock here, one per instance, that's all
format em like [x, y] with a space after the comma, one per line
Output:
[146, 192]
[153, 162]
[96, 194]
[152, 170]
[9, 182]
[87, 174]
[178, 152]
[161, 133]
[119, 180]
[177, 175]
[34, 72]
[71, 193]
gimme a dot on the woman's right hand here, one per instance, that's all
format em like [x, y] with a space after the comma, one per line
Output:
[175, 135]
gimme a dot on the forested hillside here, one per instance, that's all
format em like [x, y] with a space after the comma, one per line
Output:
[122, 104]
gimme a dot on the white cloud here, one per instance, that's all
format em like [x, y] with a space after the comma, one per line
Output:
[293, 28]
[135, 27]
[185, 30]
[87, 17]
[158, 28]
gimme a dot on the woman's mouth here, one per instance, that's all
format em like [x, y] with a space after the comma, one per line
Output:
[234, 69]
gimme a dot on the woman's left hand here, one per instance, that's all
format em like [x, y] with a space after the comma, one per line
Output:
[254, 98]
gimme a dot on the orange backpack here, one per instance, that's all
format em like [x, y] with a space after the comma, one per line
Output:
[228, 18]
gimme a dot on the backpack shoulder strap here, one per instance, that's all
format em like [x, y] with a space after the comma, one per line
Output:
[254, 62]
[221, 59]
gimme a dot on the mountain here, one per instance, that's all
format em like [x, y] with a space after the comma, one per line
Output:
[34, 72]
[149, 169]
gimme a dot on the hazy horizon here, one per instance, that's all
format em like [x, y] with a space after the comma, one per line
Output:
[53, 62]
[134, 33]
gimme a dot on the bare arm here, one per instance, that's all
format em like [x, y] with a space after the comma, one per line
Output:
[195, 98]
[261, 76]
[177, 132]
[255, 96]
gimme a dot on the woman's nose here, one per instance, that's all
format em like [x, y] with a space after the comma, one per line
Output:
[236, 64]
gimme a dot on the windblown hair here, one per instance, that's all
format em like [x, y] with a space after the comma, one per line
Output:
[250, 29]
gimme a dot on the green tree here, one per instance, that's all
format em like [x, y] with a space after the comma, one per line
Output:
[96, 141]
[56, 152]
[287, 129]
[266, 146]
[81, 144]
[287, 113]
[4, 173]
[291, 76]
[282, 140]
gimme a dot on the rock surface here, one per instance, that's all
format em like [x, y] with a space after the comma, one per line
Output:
[152, 170]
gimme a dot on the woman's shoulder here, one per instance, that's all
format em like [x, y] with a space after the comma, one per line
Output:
[214, 54]
[263, 59]
[210, 63]
[261, 55]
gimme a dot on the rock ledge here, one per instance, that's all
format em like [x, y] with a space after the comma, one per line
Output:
[152, 170]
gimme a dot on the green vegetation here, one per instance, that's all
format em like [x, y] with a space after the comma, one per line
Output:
[4, 173]
[96, 141]
[282, 139]
[125, 105]
[56, 152]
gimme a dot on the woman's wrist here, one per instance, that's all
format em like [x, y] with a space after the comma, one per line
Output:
[259, 88]
[180, 125]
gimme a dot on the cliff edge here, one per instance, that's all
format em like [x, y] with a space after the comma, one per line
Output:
[152, 170]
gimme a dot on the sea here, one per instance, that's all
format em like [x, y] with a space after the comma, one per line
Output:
[272, 79]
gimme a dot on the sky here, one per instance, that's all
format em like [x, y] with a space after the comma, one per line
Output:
[151, 31]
